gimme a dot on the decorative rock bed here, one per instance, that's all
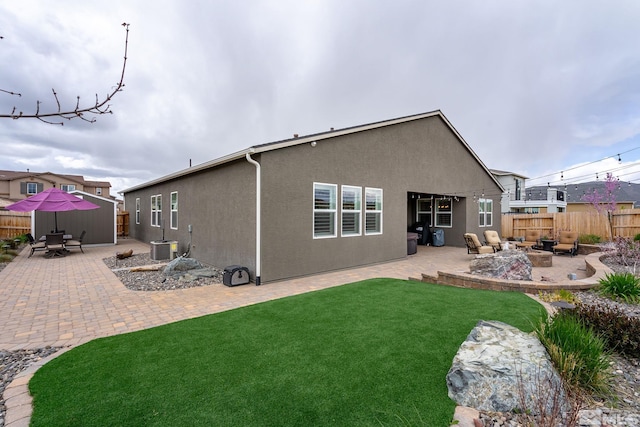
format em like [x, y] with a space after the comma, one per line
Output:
[507, 265]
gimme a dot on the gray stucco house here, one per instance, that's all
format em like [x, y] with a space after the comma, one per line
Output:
[322, 202]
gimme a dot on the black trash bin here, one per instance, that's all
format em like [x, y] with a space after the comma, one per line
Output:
[412, 243]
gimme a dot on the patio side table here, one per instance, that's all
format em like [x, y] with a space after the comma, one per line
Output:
[547, 245]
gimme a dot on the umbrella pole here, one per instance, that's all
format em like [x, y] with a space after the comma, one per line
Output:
[55, 215]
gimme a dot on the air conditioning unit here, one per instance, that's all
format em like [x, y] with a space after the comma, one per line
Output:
[163, 249]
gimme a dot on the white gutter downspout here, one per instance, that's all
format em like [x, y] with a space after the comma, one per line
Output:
[258, 211]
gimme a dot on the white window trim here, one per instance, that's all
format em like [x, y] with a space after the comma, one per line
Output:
[173, 226]
[419, 212]
[156, 221]
[373, 211]
[483, 213]
[35, 185]
[334, 211]
[137, 210]
[450, 213]
[357, 212]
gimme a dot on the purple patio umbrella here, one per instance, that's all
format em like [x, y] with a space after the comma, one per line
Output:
[52, 200]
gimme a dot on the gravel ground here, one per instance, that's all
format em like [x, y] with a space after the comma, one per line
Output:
[14, 362]
[626, 372]
[157, 280]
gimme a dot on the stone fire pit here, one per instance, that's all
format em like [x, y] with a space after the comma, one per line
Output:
[540, 259]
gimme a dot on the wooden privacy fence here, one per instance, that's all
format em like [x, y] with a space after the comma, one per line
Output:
[14, 224]
[626, 223]
[123, 223]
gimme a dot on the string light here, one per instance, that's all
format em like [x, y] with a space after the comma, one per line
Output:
[618, 156]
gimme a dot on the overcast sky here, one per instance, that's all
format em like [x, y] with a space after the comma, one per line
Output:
[534, 87]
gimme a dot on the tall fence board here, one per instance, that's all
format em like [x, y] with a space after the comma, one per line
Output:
[14, 224]
[626, 223]
[123, 223]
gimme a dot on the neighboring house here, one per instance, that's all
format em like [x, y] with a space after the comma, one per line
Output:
[519, 199]
[16, 185]
[513, 194]
[322, 202]
[627, 195]
[569, 198]
[542, 200]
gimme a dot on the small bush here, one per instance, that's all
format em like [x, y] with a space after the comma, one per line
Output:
[636, 237]
[620, 332]
[589, 239]
[6, 257]
[576, 351]
[623, 286]
[625, 251]
[557, 295]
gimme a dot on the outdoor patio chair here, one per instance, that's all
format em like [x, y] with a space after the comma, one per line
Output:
[531, 240]
[474, 246]
[55, 245]
[73, 243]
[35, 246]
[492, 238]
[568, 242]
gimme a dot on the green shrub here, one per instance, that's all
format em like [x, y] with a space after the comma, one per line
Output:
[576, 351]
[624, 286]
[636, 237]
[557, 295]
[589, 239]
[620, 332]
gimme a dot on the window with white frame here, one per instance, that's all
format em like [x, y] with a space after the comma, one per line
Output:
[156, 210]
[373, 211]
[174, 210]
[98, 191]
[324, 210]
[67, 187]
[485, 212]
[351, 210]
[32, 187]
[424, 211]
[444, 213]
[138, 210]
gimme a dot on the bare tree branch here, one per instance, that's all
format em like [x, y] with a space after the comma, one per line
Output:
[100, 107]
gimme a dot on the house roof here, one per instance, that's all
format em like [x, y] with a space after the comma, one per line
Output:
[626, 191]
[94, 196]
[97, 183]
[14, 175]
[276, 145]
[498, 172]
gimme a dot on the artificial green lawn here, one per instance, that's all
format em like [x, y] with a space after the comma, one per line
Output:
[368, 353]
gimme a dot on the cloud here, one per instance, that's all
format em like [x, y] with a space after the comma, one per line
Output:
[532, 86]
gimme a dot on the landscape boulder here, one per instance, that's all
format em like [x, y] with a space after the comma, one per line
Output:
[507, 264]
[182, 264]
[500, 368]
